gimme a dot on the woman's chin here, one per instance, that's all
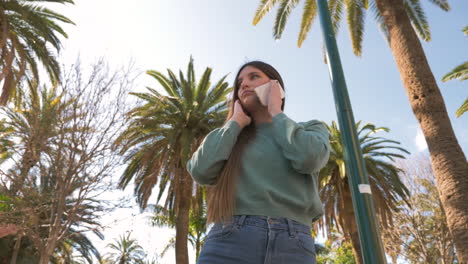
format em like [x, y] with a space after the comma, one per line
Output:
[252, 104]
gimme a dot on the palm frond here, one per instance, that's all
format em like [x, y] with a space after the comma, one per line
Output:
[463, 108]
[460, 72]
[186, 91]
[418, 19]
[336, 11]
[443, 4]
[308, 17]
[169, 245]
[164, 81]
[355, 18]
[264, 7]
[175, 84]
[282, 15]
[380, 22]
[203, 86]
[31, 31]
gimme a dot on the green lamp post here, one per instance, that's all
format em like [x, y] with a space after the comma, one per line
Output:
[368, 227]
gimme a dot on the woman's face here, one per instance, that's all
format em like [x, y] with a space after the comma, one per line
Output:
[249, 78]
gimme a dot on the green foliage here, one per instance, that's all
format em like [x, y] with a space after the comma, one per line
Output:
[308, 17]
[28, 30]
[165, 130]
[6, 144]
[462, 109]
[418, 19]
[336, 253]
[459, 72]
[378, 153]
[126, 250]
[5, 203]
[356, 12]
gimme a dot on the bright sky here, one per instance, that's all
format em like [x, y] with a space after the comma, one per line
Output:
[163, 34]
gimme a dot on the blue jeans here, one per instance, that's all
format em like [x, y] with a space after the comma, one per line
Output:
[251, 239]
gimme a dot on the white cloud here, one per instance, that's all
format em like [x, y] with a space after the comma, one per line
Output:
[420, 141]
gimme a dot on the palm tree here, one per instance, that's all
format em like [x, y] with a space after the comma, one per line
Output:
[24, 251]
[26, 32]
[126, 251]
[460, 72]
[51, 207]
[161, 136]
[77, 242]
[402, 22]
[32, 124]
[387, 189]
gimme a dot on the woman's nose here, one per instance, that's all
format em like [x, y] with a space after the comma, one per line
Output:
[245, 85]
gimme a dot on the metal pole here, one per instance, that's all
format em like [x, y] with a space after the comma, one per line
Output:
[368, 226]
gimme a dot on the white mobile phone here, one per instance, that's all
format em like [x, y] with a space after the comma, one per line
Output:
[263, 92]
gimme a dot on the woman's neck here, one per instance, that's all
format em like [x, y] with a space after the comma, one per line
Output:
[261, 115]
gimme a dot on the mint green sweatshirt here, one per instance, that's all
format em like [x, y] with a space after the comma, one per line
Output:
[279, 167]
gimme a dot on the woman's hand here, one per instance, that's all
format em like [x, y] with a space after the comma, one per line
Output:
[275, 101]
[239, 115]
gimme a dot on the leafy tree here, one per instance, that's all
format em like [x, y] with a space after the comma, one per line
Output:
[420, 233]
[162, 134]
[387, 189]
[62, 159]
[335, 250]
[403, 22]
[27, 31]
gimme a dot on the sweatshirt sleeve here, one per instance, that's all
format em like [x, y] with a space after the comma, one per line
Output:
[306, 145]
[208, 160]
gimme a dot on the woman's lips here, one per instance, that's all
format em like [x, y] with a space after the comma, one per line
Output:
[247, 93]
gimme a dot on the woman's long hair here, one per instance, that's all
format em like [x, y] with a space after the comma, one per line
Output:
[221, 196]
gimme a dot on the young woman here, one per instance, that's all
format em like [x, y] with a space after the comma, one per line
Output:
[261, 169]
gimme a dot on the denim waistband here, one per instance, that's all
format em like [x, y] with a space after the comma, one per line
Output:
[272, 223]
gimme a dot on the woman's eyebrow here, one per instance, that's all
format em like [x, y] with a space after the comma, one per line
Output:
[249, 74]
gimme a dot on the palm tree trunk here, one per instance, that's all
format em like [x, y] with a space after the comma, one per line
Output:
[16, 249]
[46, 252]
[44, 259]
[356, 247]
[350, 225]
[182, 223]
[448, 160]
